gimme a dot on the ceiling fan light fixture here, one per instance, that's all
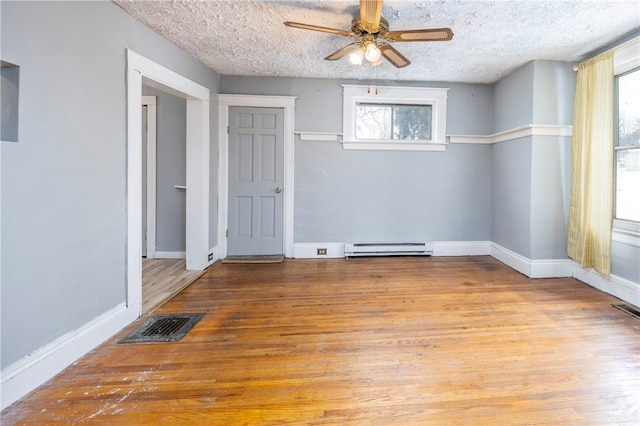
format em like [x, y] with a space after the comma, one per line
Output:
[372, 52]
[372, 35]
[356, 57]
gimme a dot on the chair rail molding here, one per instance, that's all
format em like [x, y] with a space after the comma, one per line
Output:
[515, 133]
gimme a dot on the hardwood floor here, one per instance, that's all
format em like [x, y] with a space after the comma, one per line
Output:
[376, 341]
[162, 279]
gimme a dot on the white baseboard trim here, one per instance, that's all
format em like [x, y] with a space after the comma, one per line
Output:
[26, 374]
[558, 268]
[543, 268]
[614, 285]
[310, 250]
[511, 259]
[551, 268]
[461, 248]
[170, 255]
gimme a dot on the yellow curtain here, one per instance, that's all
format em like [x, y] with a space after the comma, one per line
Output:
[591, 199]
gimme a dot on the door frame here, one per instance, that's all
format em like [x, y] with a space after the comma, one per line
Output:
[150, 102]
[142, 70]
[288, 103]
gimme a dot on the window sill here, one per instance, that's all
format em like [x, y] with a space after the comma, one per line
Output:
[626, 232]
[393, 146]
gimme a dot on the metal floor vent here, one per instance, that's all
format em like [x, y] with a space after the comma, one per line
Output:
[163, 328]
[628, 309]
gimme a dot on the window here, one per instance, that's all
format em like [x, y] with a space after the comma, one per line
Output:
[394, 118]
[393, 122]
[626, 223]
[628, 146]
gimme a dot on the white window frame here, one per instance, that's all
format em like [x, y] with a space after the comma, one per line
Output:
[626, 57]
[394, 95]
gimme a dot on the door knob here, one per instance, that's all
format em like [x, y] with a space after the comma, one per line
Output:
[278, 190]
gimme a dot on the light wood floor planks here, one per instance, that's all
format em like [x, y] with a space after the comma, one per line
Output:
[379, 341]
[162, 279]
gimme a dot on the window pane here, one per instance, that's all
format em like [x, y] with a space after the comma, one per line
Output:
[629, 109]
[393, 122]
[412, 122]
[373, 122]
[627, 184]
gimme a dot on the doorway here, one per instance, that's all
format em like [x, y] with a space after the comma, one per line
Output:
[165, 188]
[164, 271]
[287, 105]
[142, 70]
[256, 181]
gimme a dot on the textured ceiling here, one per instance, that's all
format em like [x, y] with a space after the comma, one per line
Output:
[492, 38]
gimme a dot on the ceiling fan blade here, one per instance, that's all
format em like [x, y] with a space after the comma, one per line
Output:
[317, 28]
[370, 11]
[393, 56]
[340, 53]
[436, 34]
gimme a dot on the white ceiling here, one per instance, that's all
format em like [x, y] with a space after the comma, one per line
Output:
[492, 37]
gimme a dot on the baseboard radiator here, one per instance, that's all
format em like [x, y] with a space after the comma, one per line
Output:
[388, 249]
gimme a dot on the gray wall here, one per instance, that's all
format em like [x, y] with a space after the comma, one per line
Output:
[319, 102]
[64, 183]
[550, 179]
[355, 196]
[553, 94]
[625, 261]
[511, 195]
[554, 85]
[344, 196]
[530, 186]
[513, 99]
[171, 169]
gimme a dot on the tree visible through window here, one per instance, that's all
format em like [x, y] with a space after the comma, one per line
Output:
[393, 122]
[628, 146]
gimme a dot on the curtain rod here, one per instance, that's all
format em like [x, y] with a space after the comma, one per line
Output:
[614, 48]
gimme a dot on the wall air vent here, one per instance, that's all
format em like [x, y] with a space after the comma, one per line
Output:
[628, 309]
[388, 249]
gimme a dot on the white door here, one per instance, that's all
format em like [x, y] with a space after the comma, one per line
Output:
[256, 181]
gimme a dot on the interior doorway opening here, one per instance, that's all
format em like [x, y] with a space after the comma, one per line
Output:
[141, 70]
[164, 272]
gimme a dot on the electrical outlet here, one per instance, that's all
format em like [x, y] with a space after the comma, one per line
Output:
[321, 252]
[210, 257]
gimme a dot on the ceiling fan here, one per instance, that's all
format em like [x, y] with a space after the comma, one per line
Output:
[374, 36]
